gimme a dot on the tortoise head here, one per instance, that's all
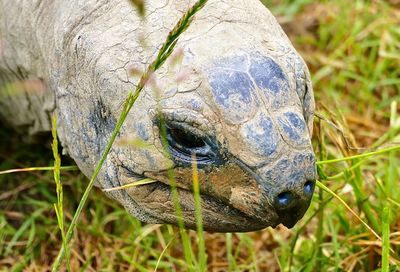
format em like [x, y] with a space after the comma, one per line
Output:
[242, 115]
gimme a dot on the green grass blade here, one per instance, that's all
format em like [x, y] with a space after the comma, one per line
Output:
[199, 219]
[335, 243]
[162, 253]
[187, 248]
[385, 239]
[364, 155]
[323, 187]
[18, 234]
[59, 189]
[39, 168]
[347, 170]
[133, 184]
[229, 245]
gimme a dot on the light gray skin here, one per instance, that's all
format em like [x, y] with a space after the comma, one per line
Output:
[245, 106]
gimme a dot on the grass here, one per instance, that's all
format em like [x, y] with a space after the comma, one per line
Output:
[353, 54]
[58, 207]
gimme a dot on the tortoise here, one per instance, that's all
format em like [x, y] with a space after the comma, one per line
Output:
[238, 103]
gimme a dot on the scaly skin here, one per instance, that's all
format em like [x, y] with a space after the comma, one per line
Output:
[246, 98]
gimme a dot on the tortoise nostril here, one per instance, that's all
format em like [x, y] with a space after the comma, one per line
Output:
[309, 187]
[284, 199]
[291, 205]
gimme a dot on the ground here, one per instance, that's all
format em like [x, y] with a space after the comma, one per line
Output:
[353, 54]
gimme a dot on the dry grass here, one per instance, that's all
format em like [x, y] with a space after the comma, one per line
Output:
[353, 52]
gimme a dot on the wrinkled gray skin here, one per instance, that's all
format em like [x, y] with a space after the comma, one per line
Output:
[246, 97]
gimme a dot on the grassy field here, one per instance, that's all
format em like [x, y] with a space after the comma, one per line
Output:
[353, 52]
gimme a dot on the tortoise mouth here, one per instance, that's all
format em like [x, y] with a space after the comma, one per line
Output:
[157, 199]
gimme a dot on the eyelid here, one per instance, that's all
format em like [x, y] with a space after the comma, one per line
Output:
[187, 127]
[190, 120]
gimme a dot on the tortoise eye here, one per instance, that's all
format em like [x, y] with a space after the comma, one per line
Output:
[184, 139]
[183, 142]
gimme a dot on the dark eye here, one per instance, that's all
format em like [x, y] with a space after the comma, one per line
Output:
[185, 139]
[182, 140]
